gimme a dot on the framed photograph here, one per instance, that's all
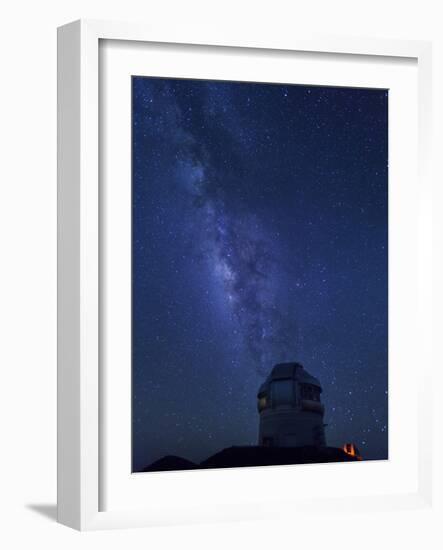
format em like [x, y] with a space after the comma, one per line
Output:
[244, 252]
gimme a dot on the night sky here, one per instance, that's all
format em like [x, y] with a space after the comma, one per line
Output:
[260, 235]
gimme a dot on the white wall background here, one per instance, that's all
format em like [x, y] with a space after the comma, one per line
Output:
[28, 266]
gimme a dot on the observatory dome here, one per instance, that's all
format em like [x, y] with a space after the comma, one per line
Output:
[291, 413]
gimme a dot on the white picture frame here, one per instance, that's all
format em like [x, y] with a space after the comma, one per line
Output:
[80, 411]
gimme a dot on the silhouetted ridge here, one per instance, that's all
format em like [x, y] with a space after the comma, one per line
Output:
[170, 462]
[234, 457]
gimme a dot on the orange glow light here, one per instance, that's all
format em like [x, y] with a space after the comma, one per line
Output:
[351, 450]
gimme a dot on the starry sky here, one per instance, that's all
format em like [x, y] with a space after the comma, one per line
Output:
[260, 235]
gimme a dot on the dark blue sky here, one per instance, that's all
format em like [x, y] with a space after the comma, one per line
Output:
[260, 234]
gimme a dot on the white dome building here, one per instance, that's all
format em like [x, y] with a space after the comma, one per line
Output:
[291, 414]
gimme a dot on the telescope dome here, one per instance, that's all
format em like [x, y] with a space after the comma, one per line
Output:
[291, 413]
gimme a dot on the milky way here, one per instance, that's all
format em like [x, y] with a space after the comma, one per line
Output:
[241, 255]
[259, 236]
